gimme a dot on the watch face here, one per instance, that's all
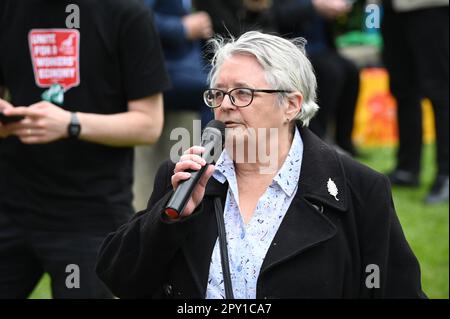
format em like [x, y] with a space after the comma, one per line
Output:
[74, 130]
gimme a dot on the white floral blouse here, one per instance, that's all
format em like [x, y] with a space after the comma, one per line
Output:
[249, 243]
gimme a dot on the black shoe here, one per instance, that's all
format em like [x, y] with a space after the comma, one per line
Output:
[403, 178]
[439, 191]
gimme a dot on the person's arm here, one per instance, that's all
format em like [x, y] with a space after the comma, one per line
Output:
[384, 248]
[132, 262]
[170, 29]
[135, 260]
[4, 105]
[142, 124]
[46, 122]
[174, 30]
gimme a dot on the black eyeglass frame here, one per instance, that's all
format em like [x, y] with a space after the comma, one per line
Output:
[235, 89]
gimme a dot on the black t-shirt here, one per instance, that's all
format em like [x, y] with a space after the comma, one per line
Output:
[114, 57]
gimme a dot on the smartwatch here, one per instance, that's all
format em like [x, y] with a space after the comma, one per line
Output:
[74, 128]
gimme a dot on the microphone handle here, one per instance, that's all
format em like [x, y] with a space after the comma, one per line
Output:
[181, 196]
[183, 192]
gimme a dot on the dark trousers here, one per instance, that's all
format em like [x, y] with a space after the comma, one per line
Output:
[25, 254]
[338, 85]
[416, 55]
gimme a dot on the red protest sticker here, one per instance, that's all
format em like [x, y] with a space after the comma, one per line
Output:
[55, 56]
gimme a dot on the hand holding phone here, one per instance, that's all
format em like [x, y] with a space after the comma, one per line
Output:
[9, 119]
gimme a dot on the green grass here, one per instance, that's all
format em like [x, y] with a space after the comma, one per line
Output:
[42, 290]
[425, 227]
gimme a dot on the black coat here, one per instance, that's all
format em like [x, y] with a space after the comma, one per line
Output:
[321, 249]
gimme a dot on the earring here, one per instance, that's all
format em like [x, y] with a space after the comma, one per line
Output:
[287, 121]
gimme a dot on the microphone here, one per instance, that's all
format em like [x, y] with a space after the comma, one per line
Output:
[213, 138]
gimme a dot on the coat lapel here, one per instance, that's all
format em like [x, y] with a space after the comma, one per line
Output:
[304, 225]
[319, 166]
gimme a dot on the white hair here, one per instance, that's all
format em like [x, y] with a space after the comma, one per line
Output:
[284, 61]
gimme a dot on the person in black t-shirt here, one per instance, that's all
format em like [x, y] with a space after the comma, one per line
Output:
[66, 170]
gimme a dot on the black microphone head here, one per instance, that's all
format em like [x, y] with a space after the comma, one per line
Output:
[218, 125]
[215, 125]
[212, 137]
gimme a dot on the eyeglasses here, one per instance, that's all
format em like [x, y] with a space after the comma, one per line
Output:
[239, 97]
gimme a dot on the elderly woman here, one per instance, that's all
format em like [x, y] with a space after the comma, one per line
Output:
[319, 225]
